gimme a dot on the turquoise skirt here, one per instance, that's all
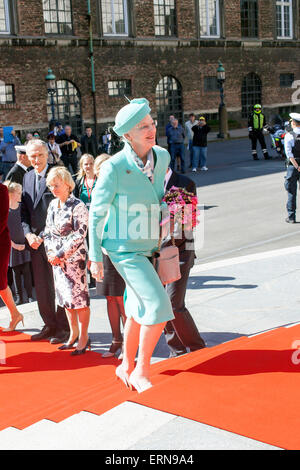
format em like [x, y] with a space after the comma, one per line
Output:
[146, 299]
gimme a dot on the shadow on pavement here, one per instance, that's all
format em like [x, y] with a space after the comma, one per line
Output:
[201, 282]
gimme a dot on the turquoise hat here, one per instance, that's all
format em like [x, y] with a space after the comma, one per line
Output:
[130, 115]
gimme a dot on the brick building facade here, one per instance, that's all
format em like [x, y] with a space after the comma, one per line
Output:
[165, 50]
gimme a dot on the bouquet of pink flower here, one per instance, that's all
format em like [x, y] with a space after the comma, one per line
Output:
[182, 207]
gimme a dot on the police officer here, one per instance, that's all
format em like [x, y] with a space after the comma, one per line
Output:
[256, 122]
[292, 151]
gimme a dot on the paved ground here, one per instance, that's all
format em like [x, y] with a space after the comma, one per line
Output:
[241, 285]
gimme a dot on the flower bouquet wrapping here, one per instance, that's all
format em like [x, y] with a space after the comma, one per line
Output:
[182, 207]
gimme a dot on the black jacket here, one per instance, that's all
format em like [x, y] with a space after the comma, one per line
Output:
[89, 145]
[16, 174]
[200, 135]
[34, 209]
[181, 181]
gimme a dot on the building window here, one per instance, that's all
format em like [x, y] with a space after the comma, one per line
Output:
[286, 80]
[4, 17]
[168, 96]
[249, 18]
[165, 22]
[119, 87]
[284, 19]
[66, 105]
[211, 84]
[7, 94]
[251, 93]
[58, 16]
[209, 16]
[114, 17]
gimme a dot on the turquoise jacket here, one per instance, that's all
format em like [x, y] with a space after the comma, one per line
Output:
[126, 207]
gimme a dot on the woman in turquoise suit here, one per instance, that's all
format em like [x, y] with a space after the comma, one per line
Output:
[124, 222]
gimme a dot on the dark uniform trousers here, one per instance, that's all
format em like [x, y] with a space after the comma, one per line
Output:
[182, 332]
[255, 136]
[45, 292]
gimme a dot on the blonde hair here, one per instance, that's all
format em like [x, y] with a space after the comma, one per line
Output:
[12, 186]
[81, 171]
[98, 162]
[61, 173]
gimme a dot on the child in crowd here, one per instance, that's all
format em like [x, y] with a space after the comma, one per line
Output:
[19, 256]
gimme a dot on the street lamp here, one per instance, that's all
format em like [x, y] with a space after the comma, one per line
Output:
[223, 123]
[51, 89]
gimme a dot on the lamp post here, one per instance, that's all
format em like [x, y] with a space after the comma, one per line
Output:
[51, 89]
[223, 123]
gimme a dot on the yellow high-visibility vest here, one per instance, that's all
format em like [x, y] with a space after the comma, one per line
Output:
[258, 121]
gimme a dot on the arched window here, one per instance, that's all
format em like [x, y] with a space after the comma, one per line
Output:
[251, 93]
[249, 18]
[168, 102]
[66, 105]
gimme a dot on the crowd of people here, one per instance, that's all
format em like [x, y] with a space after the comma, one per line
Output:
[66, 219]
[194, 134]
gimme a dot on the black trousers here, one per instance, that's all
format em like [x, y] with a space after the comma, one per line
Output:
[258, 136]
[70, 160]
[45, 293]
[18, 272]
[182, 332]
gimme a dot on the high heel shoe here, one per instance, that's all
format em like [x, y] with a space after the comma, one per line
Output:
[68, 345]
[114, 348]
[78, 352]
[139, 384]
[13, 323]
[121, 375]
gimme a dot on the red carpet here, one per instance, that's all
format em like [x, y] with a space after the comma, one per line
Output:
[248, 386]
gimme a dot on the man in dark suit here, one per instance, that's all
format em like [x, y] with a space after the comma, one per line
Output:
[89, 142]
[36, 198]
[17, 172]
[182, 332]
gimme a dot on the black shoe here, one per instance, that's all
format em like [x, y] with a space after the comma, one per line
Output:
[68, 346]
[78, 352]
[268, 157]
[19, 300]
[61, 337]
[290, 220]
[114, 348]
[255, 158]
[46, 333]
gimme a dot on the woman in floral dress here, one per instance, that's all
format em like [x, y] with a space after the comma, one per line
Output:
[65, 244]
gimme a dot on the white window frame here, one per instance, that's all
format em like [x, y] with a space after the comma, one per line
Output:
[7, 18]
[282, 4]
[207, 19]
[114, 33]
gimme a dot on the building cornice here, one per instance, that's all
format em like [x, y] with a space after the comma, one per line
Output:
[172, 43]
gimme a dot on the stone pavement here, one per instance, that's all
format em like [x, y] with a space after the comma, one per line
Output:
[228, 298]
